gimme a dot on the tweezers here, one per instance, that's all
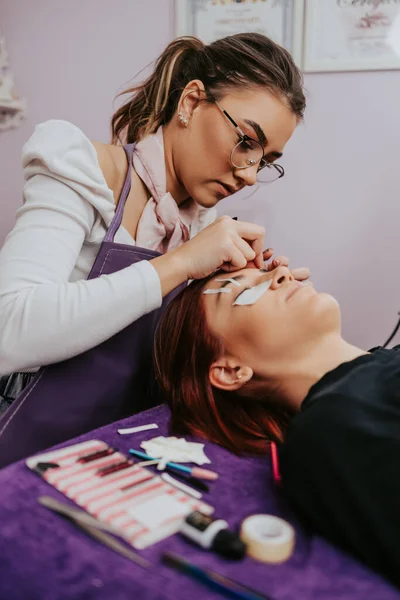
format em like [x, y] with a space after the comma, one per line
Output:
[94, 528]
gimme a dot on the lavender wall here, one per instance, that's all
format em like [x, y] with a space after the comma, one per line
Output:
[70, 59]
[337, 209]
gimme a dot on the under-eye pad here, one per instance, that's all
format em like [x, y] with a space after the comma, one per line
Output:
[217, 291]
[253, 294]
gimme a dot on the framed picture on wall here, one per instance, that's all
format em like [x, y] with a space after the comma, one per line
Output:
[351, 35]
[281, 20]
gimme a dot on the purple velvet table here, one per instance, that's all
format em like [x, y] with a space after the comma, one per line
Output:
[43, 557]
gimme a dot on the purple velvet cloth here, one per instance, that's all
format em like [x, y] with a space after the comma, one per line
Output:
[44, 557]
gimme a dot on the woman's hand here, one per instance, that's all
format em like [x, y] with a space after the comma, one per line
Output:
[301, 274]
[225, 244]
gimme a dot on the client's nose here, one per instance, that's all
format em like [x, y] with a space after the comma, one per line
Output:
[281, 275]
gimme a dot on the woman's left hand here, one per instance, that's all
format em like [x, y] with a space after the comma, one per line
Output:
[301, 274]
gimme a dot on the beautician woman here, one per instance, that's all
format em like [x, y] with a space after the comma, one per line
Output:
[107, 234]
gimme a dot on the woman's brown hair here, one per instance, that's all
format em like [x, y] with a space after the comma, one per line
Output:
[183, 353]
[244, 59]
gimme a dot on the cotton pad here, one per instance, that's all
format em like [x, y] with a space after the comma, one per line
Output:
[253, 294]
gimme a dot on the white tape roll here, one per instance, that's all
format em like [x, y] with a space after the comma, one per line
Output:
[268, 539]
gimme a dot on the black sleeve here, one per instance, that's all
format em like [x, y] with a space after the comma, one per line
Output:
[340, 469]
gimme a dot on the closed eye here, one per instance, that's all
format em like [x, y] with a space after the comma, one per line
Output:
[229, 280]
[241, 292]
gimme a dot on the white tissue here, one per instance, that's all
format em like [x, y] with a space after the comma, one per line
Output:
[175, 450]
[253, 294]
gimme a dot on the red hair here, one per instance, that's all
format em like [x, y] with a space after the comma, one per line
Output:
[183, 353]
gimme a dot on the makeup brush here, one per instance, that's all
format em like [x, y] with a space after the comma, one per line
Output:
[196, 472]
[216, 581]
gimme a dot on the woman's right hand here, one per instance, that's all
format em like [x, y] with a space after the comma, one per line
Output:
[225, 244]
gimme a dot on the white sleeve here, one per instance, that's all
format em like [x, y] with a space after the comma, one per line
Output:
[44, 318]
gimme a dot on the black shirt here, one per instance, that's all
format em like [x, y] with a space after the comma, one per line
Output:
[340, 463]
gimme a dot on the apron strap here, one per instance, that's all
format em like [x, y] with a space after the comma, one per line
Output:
[119, 212]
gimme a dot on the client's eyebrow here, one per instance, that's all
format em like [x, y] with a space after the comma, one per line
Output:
[262, 138]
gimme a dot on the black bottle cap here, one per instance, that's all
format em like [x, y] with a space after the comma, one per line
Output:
[42, 467]
[229, 545]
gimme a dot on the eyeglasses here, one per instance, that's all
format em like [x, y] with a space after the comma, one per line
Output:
[248, 152]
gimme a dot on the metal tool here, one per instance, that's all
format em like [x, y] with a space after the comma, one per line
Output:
[94, 528]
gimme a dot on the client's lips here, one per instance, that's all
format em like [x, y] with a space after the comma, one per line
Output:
[294, 288]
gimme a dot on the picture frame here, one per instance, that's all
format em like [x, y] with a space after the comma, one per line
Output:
[281, 20]
[351, 35]
[12, 108]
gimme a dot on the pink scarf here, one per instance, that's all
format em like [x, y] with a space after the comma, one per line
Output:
[162, 225]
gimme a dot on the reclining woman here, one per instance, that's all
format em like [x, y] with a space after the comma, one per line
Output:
[264, 360]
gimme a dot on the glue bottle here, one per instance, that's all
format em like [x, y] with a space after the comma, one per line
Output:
[213, 534]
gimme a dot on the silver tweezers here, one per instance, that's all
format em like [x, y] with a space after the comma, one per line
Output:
[93, 527]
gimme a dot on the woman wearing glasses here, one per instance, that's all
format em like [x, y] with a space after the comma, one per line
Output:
[108, 232]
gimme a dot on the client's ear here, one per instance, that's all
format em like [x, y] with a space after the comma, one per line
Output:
[228, 374]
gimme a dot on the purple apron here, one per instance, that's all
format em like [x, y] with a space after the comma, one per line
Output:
[101, 385]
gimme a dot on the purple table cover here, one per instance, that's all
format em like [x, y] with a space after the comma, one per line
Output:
[44, 557]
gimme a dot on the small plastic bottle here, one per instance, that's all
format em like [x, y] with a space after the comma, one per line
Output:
[213, 534]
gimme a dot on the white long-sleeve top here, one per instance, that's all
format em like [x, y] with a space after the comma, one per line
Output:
[48, 310]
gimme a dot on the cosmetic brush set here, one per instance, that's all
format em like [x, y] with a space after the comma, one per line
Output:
[127, 502]
[112, 488]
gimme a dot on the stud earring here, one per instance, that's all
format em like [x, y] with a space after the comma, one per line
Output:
[184, 120]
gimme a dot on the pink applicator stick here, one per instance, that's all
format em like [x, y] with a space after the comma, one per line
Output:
[275, 464]
[192, 471]
[202, 473]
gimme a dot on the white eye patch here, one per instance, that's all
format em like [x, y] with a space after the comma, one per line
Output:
[231, 280]
[217, 291]
[222, 290]
[253, 294]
